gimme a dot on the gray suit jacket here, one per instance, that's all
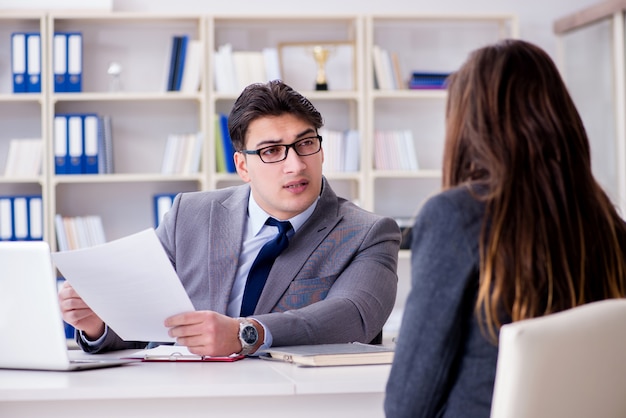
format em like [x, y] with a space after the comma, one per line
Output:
[335, 282]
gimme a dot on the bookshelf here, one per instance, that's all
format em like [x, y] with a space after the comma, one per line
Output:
[596, 34]
[23, 115]
[143, 113]
[341, 108]
[427, 43]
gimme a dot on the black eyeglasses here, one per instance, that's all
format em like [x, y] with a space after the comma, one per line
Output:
[277, 153]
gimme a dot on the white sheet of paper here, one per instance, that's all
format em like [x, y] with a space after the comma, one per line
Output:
[129, 283]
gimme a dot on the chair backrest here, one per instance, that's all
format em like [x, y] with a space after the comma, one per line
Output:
[569, 364]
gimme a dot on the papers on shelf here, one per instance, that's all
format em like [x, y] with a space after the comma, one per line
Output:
[182, 154]
[129, 283]
[24, 158]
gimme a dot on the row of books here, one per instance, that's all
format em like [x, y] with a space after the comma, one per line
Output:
[224, 149]
[341, 150]
[83, 144]
[182, 154]
[387, 72]
[26, 62]
[78, 231]
[185, 65]
[24, 158]
[395, 150]
[67, 62]
[234, 70]
[21, 218]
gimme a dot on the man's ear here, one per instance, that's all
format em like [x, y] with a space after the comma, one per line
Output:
[241, 165]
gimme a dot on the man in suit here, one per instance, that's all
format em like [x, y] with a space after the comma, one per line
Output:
[334, 282]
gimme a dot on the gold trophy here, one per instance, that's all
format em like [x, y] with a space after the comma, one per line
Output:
[320, 53]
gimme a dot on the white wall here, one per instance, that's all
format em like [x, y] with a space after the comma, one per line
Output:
[536, 16]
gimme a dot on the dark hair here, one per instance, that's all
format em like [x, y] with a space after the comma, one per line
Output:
[551, 237]
[273, 98]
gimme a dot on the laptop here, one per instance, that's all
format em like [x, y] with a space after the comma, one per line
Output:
[31, 327]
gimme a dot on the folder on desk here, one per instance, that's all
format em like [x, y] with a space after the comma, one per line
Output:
[33, 62]
[18, 61]
[59, 64]
[6, 219]
[177, 353]
[74, 62]
[61, 156]
[75, 143]
[90, 146]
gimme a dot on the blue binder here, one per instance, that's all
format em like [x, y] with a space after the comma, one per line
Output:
[180, 62]
[75, 143]
[229, 150]
[33, 62]
[61, 155]
[35, 218]
[90, 144]
[162, 203]
[174, 53]
[18, 62]
[6, 218]
[59, 62]
[20, 218]
[74, 62]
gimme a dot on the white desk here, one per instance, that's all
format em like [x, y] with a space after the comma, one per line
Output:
[247, 388]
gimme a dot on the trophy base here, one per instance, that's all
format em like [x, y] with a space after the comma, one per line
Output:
[321, 86]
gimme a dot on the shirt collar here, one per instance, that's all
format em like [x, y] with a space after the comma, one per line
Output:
[257, 216]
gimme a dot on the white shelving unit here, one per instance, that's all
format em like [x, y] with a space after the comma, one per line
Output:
[428, 43]
[341, 109]
[22, 116]
[143, 113]
[596, 35]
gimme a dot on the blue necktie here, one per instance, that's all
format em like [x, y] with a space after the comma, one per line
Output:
[262, 265]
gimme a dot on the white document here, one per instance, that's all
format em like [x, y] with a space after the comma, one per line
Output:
[129, 283]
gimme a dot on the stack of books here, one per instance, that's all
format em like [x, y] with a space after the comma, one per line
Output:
[427, 80]
[185, 64]
[182, 154]
[78, 232]
[24, 158]
[234, 70]
[395, 150]
[341, 150]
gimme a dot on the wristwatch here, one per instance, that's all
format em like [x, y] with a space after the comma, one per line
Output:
[248, 335]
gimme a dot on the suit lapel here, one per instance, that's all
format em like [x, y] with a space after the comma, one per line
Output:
[228, 218]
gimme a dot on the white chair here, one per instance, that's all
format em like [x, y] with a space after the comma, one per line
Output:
[566, 365]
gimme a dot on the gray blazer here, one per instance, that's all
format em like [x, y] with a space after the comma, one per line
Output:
[335, 282]
[444, 366]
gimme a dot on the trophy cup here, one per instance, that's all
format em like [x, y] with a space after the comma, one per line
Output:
[320, 54]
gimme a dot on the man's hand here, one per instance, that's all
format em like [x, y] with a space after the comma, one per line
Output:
[205, 333]
[76, 313]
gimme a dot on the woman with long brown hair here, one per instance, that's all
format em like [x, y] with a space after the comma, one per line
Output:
[522, 229]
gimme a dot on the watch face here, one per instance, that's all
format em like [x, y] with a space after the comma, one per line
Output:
[249, 334]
